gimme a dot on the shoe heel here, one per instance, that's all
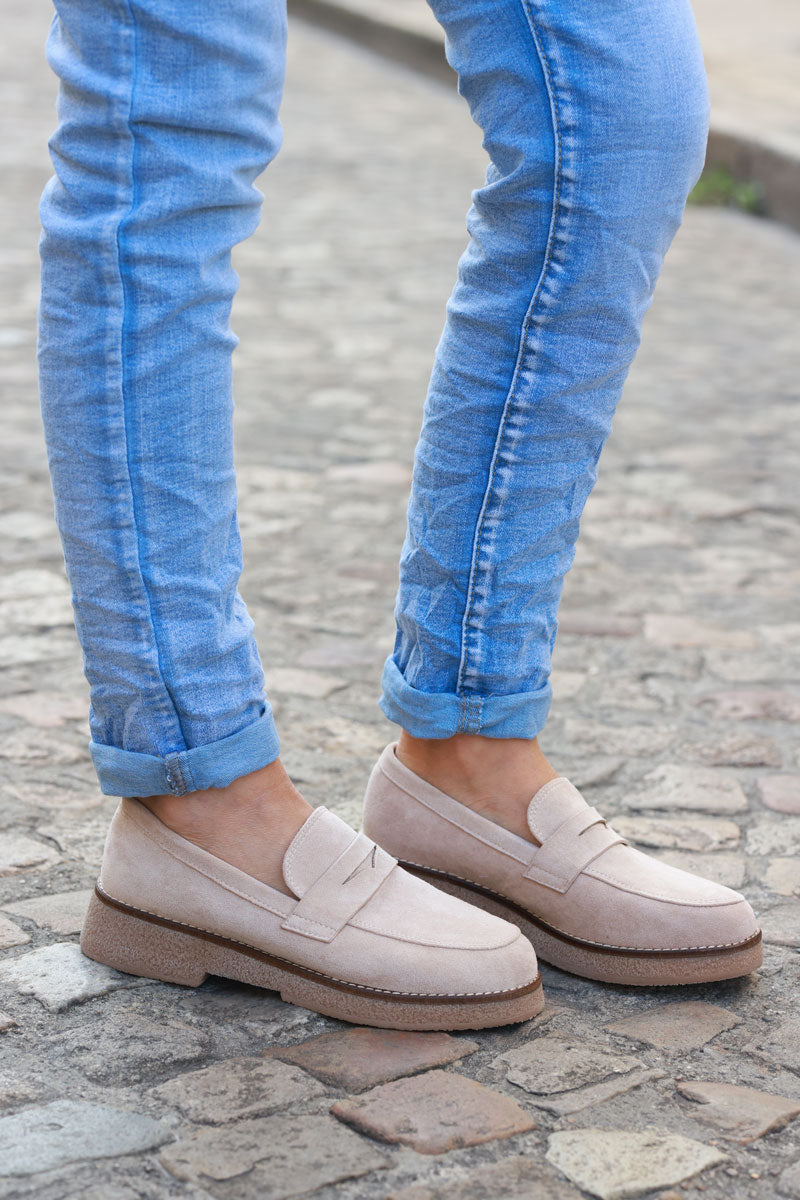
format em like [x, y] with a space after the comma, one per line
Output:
[138, 947]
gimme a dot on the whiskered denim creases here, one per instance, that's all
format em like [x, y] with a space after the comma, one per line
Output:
[594, 120]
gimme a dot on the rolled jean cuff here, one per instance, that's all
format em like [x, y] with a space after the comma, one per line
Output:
[216, 764]
[442, 714]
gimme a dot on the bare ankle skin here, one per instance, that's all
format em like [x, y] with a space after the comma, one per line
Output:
[495, 777]
[249, 823]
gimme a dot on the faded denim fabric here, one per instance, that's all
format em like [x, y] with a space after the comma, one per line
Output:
[595, 121]
[168, 111]
[595, 118]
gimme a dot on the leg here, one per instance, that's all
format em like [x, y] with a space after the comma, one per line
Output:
[595, 119]
[167, 115]
[168, 112]
[595, 122]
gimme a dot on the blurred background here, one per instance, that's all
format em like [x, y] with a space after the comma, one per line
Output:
[752, 59]
[677, 668]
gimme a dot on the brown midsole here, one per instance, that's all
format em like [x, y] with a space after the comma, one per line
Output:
[354, 989]
[433, 874]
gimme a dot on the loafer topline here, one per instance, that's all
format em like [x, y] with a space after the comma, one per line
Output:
[589, 902]
[359, 939]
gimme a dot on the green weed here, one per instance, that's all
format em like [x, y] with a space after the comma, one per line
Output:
[718, 186]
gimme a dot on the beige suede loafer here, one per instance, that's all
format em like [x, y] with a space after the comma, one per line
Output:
[590, 903]
[360, 938]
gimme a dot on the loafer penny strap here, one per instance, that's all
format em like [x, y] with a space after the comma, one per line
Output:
[578, 841]
[340, 891]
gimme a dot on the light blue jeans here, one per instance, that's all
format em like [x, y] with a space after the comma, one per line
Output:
[595, 121]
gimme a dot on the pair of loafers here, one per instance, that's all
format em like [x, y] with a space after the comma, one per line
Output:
[432, 917]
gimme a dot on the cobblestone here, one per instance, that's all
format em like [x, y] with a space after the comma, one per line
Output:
[128, 1045]
[29, 746]
[789, 1182]
[780, 1044]
[614, 1164]
[596, 624]
[753, 705]
[434, 1113]
[727, 869]
[767, 666]
[78, 839]
[305, 683]
[237, 1088]
[685, 1025]
[679, 629]
[556, 1064]
[281, 1156]
[667, 629]
[15, 1091]
[516, 1178]
[637, 740]
[676, 786]
[11, 934]
[690, 833]
[361, 1058]
[783, 876]
[563, 1104]
[734, 750]
[18, 854]
[781, 924]
[43, 710]
[774, 836]
[62, 912]
[66, 1131]
[780, 792]
[740, 1113]
[60, 976]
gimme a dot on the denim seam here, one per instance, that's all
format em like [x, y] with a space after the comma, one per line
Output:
[170, 709]
[186, 771]
[174, 773]
[462, 714]
[513, 389]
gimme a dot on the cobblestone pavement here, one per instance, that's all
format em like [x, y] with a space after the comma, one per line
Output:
[677, 707]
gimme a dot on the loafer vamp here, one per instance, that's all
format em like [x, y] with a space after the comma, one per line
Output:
[575, 878]
[357, 917]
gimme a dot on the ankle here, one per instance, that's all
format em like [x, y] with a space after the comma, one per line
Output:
[479, 765]
[249, 823]
[249, 795]
[260, 789]
[495, 777]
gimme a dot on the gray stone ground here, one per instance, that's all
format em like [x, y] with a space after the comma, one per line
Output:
[676, 680]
